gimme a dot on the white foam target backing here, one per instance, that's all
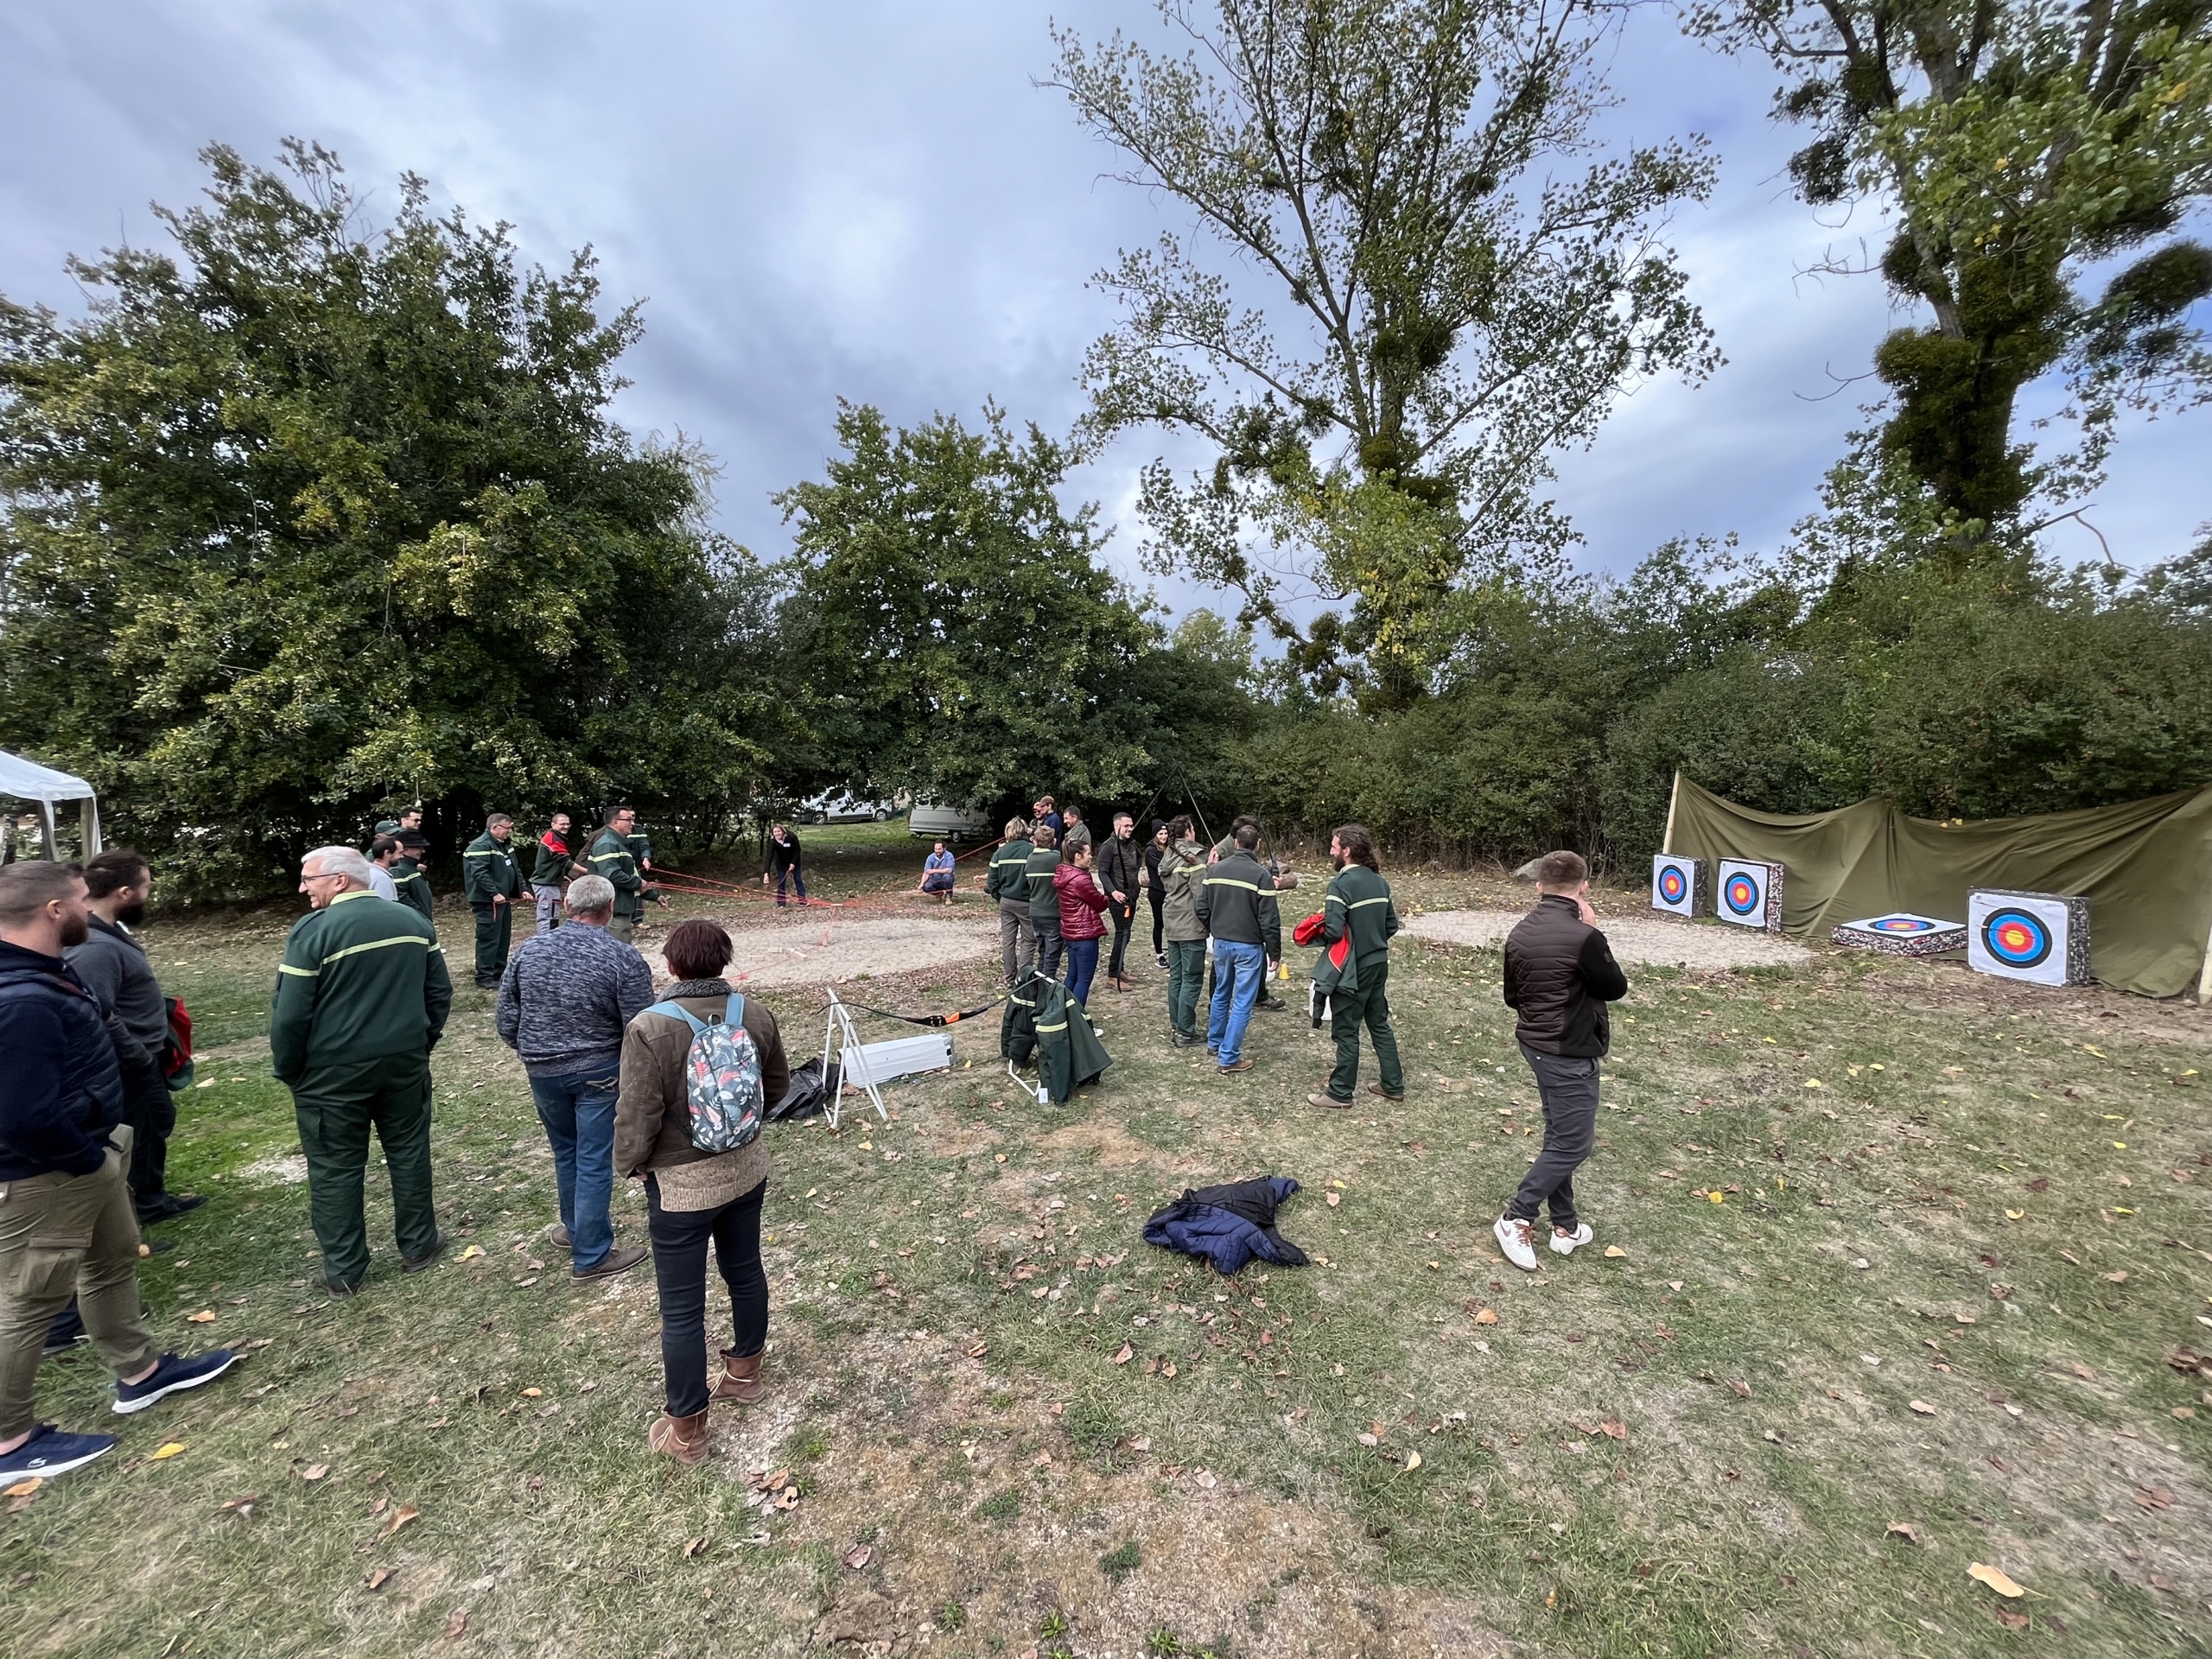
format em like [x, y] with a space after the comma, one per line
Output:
[1748, 893]
[1677, 884]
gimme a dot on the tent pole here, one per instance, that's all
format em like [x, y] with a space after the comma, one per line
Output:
[1666, 842]
[46, 831]
[2204, 978]
[88, 816]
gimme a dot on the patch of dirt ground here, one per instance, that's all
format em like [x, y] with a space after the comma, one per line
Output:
[1651, 942]
[820, 948]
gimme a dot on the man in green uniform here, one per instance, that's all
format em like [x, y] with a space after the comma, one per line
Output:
[1358, 903]
[611, 857]
[641, 851]
[1182, 866]
[1007, 883]
[412, 886]
[1044, 903]
[491, 876]
[361, 998]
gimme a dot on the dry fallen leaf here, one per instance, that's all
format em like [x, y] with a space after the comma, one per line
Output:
[168, 1451]
[380, 1578]
[1413, 1461]
[693, 1546]
[1332, 1198]
[1124, 1355]
[1614, 1253]
[2120, 1278]
[1901, 1529]
[858, 1557]
[533, 1393]
[400, 1518]
[1996, 1578]
[456, 1626]
[1486, 1316]
[1922, 1406]
[23, 1488]
[205, 1316]
[472, 1251]
[315, 1472]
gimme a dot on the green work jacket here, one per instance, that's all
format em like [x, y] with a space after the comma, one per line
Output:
[1037, 871]
[362, 979]
[550, 869]
[610, 856]
[1358, 903]
[1182, 866]
[1008, 877]
[413, 888]
[490, 870]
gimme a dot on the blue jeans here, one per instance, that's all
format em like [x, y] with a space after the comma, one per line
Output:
[797, 880]
[1237, 970]
[1083, 968]
[578, 1113]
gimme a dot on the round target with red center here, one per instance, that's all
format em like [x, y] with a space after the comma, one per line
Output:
[2016, 938]
[1741, 894]
[1901, 924]
[1674, 884]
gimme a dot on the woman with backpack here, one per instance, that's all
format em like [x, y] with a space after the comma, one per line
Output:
[700, 1068]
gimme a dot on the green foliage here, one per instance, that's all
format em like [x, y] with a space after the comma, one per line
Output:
[1120, 1561]
[306, 519]
[966, 640]
[1403, 178]
[2017, 145]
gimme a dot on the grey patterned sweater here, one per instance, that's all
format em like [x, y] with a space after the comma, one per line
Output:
[566, 998]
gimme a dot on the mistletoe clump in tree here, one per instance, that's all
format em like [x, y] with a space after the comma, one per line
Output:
[1448, 293]
[2021, 147]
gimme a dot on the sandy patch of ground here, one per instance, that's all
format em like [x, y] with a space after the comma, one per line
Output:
[820, 950]
[1649, 941]
[285, 1171]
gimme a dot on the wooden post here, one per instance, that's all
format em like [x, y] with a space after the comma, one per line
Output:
[2204, 978]
[1666, 842]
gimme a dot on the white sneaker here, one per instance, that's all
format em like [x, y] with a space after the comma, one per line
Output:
[1517, 1240]
[1567, 1243]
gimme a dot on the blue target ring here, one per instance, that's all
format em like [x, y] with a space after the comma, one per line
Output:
[1673, 884]
[1900, 925]
[1742, 894]
[2016, 938]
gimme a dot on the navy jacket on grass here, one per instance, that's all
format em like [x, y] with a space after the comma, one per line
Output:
[61, 1085]
[1228, 1225]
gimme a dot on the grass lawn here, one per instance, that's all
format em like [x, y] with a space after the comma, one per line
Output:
[1908, 1260]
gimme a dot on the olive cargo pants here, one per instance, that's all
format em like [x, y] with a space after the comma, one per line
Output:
[1367, 1006]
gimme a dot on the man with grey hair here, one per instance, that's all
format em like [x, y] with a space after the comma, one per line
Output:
[361, 998]
[491, 874]
[567, 995]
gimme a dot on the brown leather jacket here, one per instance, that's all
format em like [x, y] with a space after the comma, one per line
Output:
[651, 1119]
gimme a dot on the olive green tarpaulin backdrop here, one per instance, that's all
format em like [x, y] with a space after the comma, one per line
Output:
[2146, 868]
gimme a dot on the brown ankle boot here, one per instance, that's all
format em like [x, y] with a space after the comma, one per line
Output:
[741, 1380]
[683, 1438]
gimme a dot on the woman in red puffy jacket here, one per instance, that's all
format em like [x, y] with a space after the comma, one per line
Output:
[1081, 901]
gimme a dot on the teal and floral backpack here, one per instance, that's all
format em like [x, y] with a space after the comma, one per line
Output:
[721, 1077]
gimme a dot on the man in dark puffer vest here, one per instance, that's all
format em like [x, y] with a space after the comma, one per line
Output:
[1559, 974]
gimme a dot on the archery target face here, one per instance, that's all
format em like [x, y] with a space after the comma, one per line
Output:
[1747, 894]
[2020, 936]
[1900, 925]
[1674, 884]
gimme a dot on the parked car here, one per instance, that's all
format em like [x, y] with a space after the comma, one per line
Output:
[840, 807]
[929, 822]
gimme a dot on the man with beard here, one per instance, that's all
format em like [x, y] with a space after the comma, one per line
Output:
[1357, 906]
[551, 870]
[113, 966]
[66, 1227]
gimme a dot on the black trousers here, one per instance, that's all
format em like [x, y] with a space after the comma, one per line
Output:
[150, 1110]
[1158, 902]
[681, 1238]
[1568, 1087]
[1049, 943]
[1123, 916]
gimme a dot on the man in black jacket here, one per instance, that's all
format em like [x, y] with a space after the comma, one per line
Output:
[1121, 872]
[1559, 973]
[67, 1225]
[113, 965]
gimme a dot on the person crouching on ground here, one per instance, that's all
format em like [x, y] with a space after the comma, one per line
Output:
[1080, 900]
[937, 871]
[568, 996]
[1559, 974]
[695, 1199]
[66, 1222]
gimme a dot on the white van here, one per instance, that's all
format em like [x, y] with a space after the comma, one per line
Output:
[929, 822]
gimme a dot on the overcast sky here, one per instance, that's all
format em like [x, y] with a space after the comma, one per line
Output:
[872, 200]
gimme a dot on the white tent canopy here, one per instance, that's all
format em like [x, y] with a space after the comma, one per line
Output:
[27, 780]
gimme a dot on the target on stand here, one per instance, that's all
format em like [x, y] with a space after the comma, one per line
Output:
[1902, 924]
[1679, 886]
[2016, 938]
[2042, 938]
[1750, 893]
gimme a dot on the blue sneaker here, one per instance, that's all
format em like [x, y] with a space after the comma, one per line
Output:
[49, 1452]
[172, 1375]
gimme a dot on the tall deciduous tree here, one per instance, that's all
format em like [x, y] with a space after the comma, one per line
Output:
[965, 639]
[2021, 147]
[310, 515]
[1440, 295]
